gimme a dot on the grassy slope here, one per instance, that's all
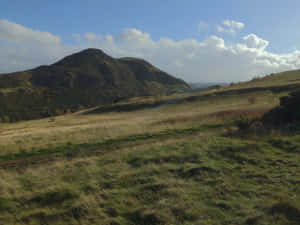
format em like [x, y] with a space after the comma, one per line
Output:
[280, 79]
[172, 164]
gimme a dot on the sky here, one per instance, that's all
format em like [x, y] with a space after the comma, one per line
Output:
[198, 41]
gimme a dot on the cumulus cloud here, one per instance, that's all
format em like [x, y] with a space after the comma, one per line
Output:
[230, 26]
[23, 48]
[233, 24]
[252, 41]
[212, 59]
[13, 32]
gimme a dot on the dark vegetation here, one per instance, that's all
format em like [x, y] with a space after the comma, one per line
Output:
[284, 119]
[85, 79]
[287, 113]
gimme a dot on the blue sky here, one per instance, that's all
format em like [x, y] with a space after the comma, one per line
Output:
[274, 21]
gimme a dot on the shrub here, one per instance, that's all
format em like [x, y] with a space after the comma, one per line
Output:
[243, 123]
[6, 119]
[250, 127]
[252, 100]
[287, 113]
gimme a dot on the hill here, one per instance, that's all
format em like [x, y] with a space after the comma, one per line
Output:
[178, 159]
[84, 79]
[287, 78]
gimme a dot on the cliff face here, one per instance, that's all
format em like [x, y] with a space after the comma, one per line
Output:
[87, 78]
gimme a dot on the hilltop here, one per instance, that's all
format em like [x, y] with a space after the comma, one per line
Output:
[81, 80]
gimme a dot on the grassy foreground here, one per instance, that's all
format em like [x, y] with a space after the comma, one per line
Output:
[170, 164]
[196, 179]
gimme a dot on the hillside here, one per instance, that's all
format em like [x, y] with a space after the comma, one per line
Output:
[287, 78]
[84, 79]
[179, 159]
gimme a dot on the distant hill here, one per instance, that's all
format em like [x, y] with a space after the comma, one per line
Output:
[84, 79]
[275, 79]
[199, 86]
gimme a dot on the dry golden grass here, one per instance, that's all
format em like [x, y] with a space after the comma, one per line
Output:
[85, 128]
[110, 185]
[50, 175]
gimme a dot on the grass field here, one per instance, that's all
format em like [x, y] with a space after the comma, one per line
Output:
[163, 160]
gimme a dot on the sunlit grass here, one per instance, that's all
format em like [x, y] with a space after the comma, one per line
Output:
[169, 164]
[82, 128]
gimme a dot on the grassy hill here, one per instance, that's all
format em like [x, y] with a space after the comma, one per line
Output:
[271, 80]
[81, 80]
[179, 159]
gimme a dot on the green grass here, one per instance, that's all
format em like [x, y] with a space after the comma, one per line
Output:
[74, 150]
[179, 164]
[200, 180]
[273, 80]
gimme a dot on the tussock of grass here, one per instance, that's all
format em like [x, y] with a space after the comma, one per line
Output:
[5, 204]
[54, 197]
[288, 210]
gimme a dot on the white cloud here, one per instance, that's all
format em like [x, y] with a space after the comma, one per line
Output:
[233, 24]
[212, 59]
[230, 26]
[202, 26]
[13, 32]
[252, 41]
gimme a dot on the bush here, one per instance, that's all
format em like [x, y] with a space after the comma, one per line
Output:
[286, 114]
[243, 123]
[6, 119]
[250, 127]
[252, 100]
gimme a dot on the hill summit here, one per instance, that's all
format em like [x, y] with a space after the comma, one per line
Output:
[87, 78]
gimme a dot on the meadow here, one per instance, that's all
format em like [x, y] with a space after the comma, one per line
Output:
[155, 160]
